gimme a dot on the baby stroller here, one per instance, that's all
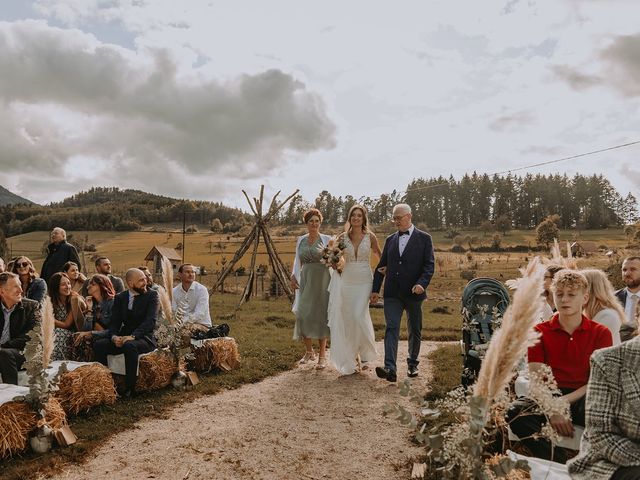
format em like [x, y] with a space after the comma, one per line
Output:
[484, 301]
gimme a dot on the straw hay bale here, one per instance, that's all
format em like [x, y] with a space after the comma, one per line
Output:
[216, 353]
[18, 420]
[156, 370]
[86, 387]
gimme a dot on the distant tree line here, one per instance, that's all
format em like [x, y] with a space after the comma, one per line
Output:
[115, 209]
[484, 202]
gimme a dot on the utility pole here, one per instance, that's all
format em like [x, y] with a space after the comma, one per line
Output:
[184, 231]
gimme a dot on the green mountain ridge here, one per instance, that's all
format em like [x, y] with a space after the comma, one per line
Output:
[9, 198]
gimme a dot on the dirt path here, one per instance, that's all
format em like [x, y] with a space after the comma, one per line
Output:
[302, 424]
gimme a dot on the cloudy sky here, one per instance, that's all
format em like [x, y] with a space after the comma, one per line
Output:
[203, 98]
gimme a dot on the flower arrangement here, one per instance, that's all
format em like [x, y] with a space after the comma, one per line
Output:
[332, 254]
[460, 431]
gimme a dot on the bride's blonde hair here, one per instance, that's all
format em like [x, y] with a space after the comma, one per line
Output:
[365, 219]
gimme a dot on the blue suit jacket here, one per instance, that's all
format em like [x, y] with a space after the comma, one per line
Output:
[145, 314]
[414, 267]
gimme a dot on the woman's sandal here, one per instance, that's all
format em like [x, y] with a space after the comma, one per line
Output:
[322, 363]
[308, 357]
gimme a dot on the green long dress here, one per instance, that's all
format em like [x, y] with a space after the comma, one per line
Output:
[313, 300]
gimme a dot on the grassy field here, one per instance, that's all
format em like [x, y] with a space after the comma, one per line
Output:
[263, 327]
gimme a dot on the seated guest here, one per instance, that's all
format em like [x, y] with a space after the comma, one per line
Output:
[103, 267]
[100, 303]
[18, 316]
[610, 445]
[75, 276]
[566, 343]
[68, 310]
[133, 318]
[33, 287]
[629, 296]
[549, 307]
[151, 285]
[603, 306]
[192, 297]
[59, 253]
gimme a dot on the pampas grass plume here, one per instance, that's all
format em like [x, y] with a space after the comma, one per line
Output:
[167, 277]
[165, 304]
[510, 343]
[48, 325]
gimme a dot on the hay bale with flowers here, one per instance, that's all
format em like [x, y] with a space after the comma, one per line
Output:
[214, 353]
[85, 387]
[18, 421]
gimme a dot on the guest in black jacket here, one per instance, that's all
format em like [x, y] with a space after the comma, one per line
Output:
[133, 318]
[60, 252]
[17, 317]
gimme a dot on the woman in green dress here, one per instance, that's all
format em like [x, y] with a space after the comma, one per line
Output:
[310, 279]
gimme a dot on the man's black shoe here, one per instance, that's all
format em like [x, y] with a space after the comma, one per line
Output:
[412, 371]
[129, 393]
[388, 375]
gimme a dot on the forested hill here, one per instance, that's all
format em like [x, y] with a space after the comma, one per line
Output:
[115, 209]
[10, 198]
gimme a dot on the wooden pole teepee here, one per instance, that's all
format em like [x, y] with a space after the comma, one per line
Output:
[260, 228]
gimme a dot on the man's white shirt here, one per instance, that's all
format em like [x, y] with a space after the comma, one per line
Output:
[404, 239]
[629, 306]
[195, 303]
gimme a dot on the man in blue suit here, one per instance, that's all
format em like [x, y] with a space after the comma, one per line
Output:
[133, 318]
[406, 266]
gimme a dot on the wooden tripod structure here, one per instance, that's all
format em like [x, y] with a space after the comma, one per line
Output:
[260, 228]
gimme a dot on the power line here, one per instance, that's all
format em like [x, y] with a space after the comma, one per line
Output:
[526, 167]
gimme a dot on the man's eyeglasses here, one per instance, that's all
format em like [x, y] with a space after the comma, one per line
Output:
[399, 217]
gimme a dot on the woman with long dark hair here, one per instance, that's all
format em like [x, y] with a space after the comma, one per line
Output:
[68, 310]
[75, 276]
[33, 287]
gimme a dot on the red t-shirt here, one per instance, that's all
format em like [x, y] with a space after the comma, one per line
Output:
[568, 355]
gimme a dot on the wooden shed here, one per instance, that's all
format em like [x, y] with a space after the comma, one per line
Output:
[583, 249]
[156, 255]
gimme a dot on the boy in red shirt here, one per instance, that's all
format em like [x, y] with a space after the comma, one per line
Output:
[566, 343]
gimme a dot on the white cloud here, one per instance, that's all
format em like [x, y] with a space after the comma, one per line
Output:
[72, 96]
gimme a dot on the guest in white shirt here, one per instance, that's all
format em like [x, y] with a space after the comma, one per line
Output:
[192, 296]
[629, 297]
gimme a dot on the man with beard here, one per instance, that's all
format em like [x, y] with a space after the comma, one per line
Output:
[133, 318]
[18, 316]
[59, 252]
[103, 267]
[629, 296]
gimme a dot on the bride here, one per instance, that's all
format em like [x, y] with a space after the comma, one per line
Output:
[352, 337]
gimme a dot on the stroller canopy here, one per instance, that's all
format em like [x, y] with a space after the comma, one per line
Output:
[485, 286]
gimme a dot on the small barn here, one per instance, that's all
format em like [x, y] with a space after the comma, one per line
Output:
[155, 255]
[583, 249]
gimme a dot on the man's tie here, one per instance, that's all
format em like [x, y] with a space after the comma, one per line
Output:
[403, 233]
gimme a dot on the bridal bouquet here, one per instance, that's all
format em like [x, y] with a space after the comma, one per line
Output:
[332, 254]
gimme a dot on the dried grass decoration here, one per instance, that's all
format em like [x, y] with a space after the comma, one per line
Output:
[215, 353]
[86, 387]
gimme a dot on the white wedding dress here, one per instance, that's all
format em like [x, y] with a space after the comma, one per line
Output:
[349, 320]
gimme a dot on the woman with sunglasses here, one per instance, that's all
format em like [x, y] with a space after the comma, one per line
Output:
[33, 287]
[75, 276]
[69, 310]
